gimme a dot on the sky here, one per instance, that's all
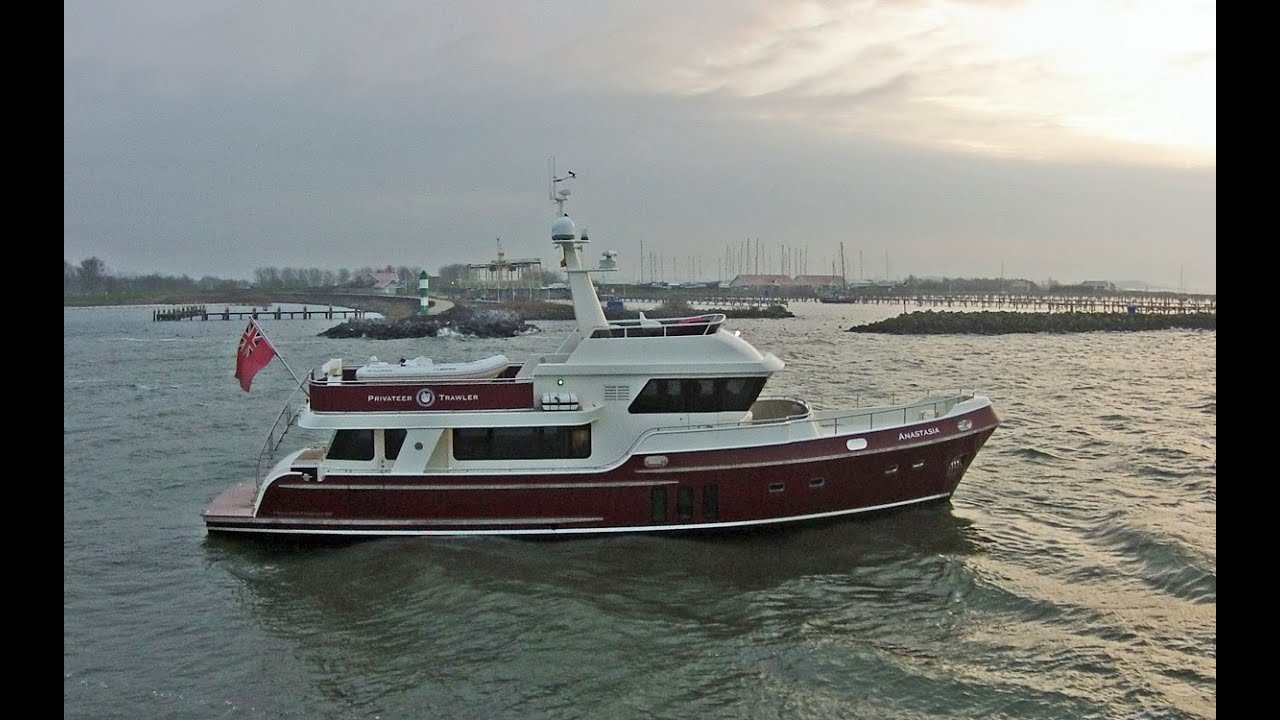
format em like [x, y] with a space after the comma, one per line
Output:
[1051, 140]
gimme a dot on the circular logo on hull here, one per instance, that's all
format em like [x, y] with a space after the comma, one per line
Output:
[426, 397]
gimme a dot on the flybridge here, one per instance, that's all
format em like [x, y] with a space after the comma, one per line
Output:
[666, 327]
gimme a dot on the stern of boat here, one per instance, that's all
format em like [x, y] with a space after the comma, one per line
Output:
[239, 503]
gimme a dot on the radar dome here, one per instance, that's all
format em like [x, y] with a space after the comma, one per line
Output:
[563, 229]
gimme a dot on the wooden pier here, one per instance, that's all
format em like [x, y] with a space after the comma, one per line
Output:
[1103, 302]
[907, 297]
[201, 312]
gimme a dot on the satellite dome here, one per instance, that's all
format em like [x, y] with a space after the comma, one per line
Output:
[563, 229]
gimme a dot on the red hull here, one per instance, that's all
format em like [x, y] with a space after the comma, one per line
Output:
[799, 481]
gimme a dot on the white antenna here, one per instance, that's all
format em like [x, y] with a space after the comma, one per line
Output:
[558, 196]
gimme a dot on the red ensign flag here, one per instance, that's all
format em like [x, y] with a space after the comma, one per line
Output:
[254, 354]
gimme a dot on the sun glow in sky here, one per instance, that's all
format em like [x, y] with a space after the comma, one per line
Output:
[1037, 78]
[1064, 139]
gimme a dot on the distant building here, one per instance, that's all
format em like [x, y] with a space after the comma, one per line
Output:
[1098, 285]
[388, 283]
[818, 282]
[1021, 285]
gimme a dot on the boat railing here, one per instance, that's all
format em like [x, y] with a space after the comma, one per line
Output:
[843, 421]
[662, 327]
[287, 418]
[777, 410]
[319, 378]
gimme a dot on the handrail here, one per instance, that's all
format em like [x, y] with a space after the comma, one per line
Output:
[409, 380]
[894, 416]
[689, 320]
[878, 417]
[662, 327]
[949, 402]
[289, 415]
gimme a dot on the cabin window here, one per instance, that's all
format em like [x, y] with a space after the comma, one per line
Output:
[658, 504]
[697, 395]
[703, 396]
[522, 443]
[684, 504]
[740, 393]
[580, 441]
[711, 503]
[394, 440]
[351, 445]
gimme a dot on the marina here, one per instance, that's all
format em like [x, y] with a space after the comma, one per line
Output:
[1120, 302]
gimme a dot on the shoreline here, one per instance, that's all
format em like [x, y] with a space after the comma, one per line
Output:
[394, 308]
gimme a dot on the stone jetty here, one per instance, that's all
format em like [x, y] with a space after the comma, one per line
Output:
[465, 320]
[929, 322]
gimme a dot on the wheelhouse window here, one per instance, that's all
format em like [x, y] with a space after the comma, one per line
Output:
[697, 395]
[351, 445]
[394, 440]
[522, 443]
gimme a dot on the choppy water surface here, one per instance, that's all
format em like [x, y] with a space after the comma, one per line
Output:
[1074, 574]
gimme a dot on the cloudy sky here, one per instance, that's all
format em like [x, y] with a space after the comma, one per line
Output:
[1045, 139]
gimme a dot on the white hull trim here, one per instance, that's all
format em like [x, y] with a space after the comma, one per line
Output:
[549, 531]
[326, 485]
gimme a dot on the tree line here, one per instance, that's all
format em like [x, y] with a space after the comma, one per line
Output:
[91, 277]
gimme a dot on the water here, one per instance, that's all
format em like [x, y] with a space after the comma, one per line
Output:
[1074, 574]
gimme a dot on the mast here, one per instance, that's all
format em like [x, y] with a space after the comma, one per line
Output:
[586, 304]
[844, 281]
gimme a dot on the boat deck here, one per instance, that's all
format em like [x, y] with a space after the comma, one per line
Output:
[235, 502]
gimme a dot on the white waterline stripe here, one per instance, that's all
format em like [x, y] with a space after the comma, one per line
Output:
[557, 531]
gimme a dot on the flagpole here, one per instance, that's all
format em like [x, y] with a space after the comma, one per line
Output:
[282, 360]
